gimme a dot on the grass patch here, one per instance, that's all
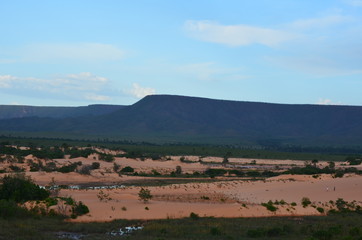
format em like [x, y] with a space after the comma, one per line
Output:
[341, 226]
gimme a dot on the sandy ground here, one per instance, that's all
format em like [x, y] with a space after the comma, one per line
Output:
[235, 198]
[226, 199]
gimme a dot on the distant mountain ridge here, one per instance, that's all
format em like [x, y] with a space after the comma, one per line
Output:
[22, 111]
[171, 118]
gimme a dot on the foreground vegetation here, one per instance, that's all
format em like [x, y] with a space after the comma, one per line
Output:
[336, 226]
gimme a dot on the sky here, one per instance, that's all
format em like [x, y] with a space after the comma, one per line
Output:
[81, 52]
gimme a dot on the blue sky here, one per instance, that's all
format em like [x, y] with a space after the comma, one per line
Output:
[82, 52]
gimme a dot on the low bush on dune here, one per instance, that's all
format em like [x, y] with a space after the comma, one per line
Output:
[19, 188]
[10, 209]
[270, 206]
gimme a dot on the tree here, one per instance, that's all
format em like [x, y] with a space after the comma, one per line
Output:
[226, 158]
[144, 195]
[178, 170]
[331, 165]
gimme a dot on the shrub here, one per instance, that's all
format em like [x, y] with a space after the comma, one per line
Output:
[341, 204]
[102, 196]
[9, 209]
[51, 202]
[106, 157]
[194, 216]
[321, 210]
[354, 160]
[68, 168]
[269, 205]
[85, 170]
[80, 209]
[155, 173]
[21, 189]
[339, 174]
[127, 169]
[95, 165]
[16, 168]
[178, 170]
[144, 195]
[116, 167]
[305, 201]
[68, 200]
[253, 174]
[212, 172]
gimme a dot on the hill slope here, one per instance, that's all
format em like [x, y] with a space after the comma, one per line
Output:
[21, 111]
[189, 119]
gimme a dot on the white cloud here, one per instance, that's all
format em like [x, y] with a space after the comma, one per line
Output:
[236, 35]
[325, 101]
[15, 103]
[95, 97]
[328, 46]
[321, 22]
[356, 3]
[5, 81]
[140, 92]
[85, 52]
[82, 86]
[87, 76]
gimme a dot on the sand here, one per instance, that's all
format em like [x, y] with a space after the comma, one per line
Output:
[226, 199]
[236, 198]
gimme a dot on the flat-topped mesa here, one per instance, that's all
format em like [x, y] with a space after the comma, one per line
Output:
[169, 118]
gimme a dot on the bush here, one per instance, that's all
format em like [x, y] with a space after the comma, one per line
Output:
[321, 210]
[106, 157]
[51, 202]
[127, 169]
[116, 167]
[212, 172]
[80, 209]
[69, 168]
[269, 205]
[155, 172]
[305, 201]
[85, 170]
[16, 168]
[95, 165]
[144, 195]
[21, 189]
[194, 216]
[178, 170]
[9, 209]
[339, 174]
[354, 160]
